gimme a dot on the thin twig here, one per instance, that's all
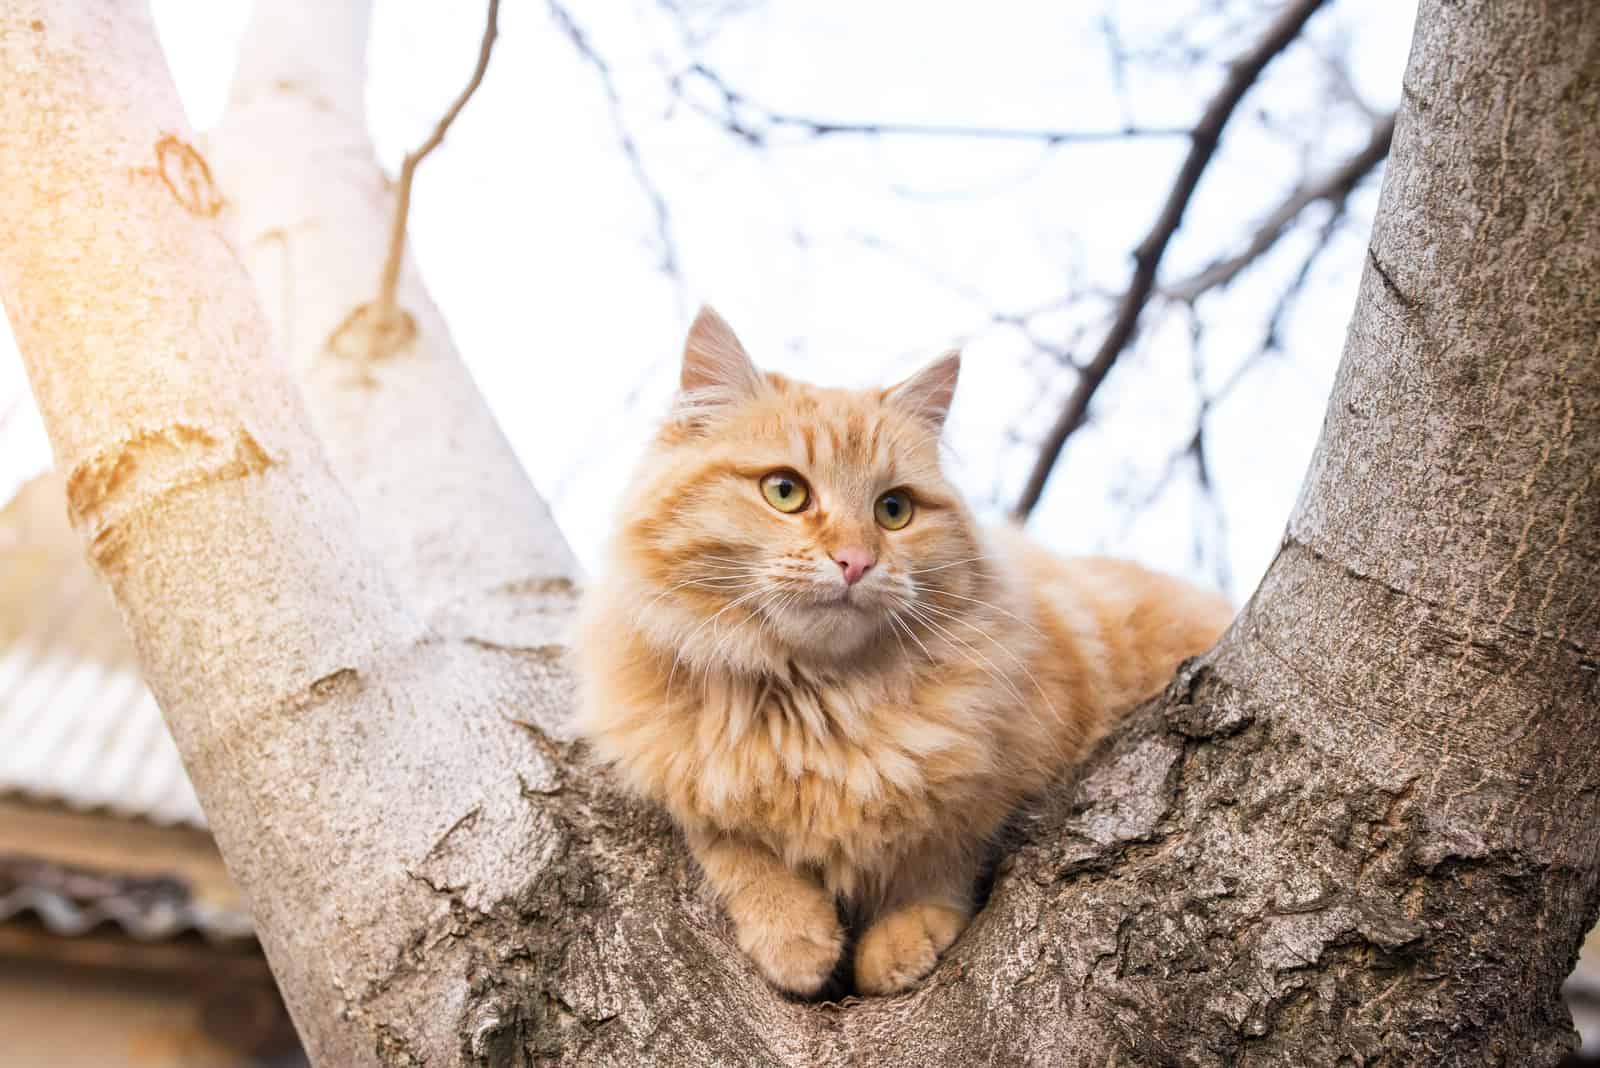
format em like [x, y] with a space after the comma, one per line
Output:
[755, 133]
[1334, 187]
[630, 148]
[1272, 337]
[385, 304]
[1271, 341]
[1337, 63]
[1204, 139]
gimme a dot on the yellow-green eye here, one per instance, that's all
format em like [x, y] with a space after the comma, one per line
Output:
[893, 510]
[785, 491]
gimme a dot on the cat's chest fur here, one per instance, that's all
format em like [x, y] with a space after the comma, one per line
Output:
[842, 775]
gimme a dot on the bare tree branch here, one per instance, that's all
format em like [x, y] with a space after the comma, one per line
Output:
[1334, 187]
[1205, 137]
[1336, 60]
[384, 327]
[579, 40]
[1194, 447]
[752, 122]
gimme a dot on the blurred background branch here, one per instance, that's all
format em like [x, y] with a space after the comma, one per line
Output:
[668, 249]
[1206, 136]
[755, 124]
[1333, 187]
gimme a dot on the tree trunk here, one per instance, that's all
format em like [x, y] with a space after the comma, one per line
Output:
[1365, 829]
[358, 687]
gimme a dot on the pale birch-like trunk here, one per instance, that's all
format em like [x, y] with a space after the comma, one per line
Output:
[348, 701]
[1366, 830]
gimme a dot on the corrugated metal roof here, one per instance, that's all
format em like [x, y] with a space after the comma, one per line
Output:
[71, 901]
[77, 725]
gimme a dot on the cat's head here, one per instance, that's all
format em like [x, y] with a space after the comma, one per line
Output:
[775, 521]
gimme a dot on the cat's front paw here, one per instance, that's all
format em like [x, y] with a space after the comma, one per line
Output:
[904, 945]
[796, 945]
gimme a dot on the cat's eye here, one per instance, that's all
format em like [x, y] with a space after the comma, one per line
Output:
[785, 491]
[893, 510]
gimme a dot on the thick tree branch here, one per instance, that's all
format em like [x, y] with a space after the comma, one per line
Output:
[147, 436]
[388, 333]
[1334, 187]
[337, 673]
[1204, 139]
[311, 238]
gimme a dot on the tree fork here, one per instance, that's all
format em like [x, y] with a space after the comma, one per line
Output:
[1364, 830]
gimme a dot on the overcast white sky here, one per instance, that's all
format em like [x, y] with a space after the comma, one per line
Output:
[851, 260]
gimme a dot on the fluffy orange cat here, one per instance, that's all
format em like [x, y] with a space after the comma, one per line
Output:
[832, 678]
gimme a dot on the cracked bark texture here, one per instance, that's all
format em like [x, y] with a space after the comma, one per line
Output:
[1364, 830]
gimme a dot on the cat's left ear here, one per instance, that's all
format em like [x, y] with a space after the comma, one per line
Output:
[928, 393]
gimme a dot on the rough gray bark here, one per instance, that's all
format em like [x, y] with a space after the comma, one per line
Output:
[1364, 830]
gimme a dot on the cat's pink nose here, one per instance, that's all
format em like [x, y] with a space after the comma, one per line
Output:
[854, 560]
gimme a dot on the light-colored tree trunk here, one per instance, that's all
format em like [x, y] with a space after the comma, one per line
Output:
[1364, 830]
[355, 641]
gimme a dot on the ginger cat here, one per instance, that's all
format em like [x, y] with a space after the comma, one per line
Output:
[835, 682]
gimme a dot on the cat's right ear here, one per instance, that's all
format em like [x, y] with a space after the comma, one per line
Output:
[716, 369]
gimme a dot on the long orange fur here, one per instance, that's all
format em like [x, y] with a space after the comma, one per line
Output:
[826, 746]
